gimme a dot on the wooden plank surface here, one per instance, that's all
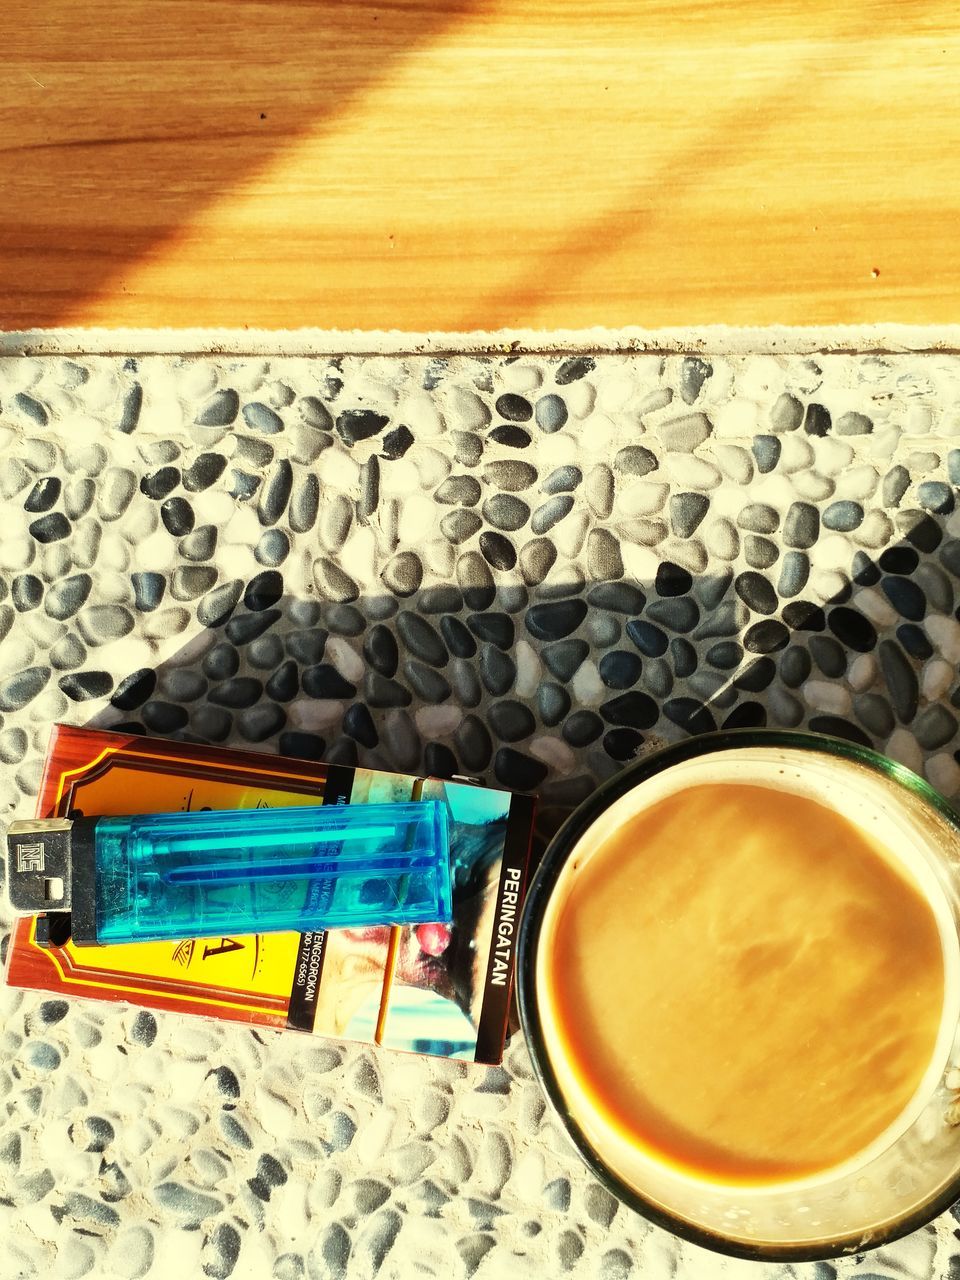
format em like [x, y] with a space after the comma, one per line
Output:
[456, 164]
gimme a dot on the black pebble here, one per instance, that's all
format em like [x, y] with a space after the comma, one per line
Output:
[244, 485]
[679, 613]
[795, 666]
[671, 580]
[380, 650]
[756, 591]
[263, 590]
[43, 495]
[260, 417]
[26, 592]
[766, 451]
[573, 369]
[511, 721]
[497, 628]
[261, 722]
[935, 495]
[50, 528]
[766, 637]
[564, 657]
[497, 670]
[497, 550]
[906, 597]
[473, 743]
[284, 684]
[925, 534]
[325, 681]
[421, 639]
[834, 727]
[358, 723]
[553, 703]
[238, 691]
[914, 641]
[442, 599]
[212, 723]
[518, 771]
[864, 570]
[757, 675]
[684, 656]
[556, 619]
[244, 627]
[369, 489]
[817, 421]
[622, 744]
[801, 615]
[619, 597]
[514, 408]
[801, 525]
[638, 710]
[177, 516]
[275, 493]
[221, 662]
[853, 629]
[562, 480]
[80, 686]
[582, 728]
[899, 559]
[829, 656]
[457, 638]
[747, 715]
[134, 689]
[204, 471]
[686, 512]
[511, 437]
[380, 691]
[219, 410]
[426, 682]
[396, 443]
[308, 643]
[689, 714]
[901, 680]
[439, 761]
[354, 425]
[725, 655]
[164, 717]
[621, 669]
[650, 640]
[307, 746]
[160, 483]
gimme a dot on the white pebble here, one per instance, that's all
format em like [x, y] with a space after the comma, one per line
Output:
[315, 713]
[862, 672]
[238, 559]
[438, 557]
[243, 525]
[569, 534]
[735, 420]
[828, 584]
[827, 696]
[876, 530]
[944, 632]
[722, 539]
[796, 453]
[883, 443]
[642, 498]
[359, 556]
[857, 482]
[345, 658]
[156, 552]
[832, 455]
[876, 607]
[691, 472]
[432, 466]
[337, 468]
[640, 563]
[436, 722]
[587, 687]
[581, 397]
[736, 462]
[903, 746]
[553, 752]
[114, 553]
[421, 415]
[943, 772]
[16, 553]
[216, 507]
[196, 378]
[468, 410]
[812, 486]
[937, 679]
[616, 390]
[528, 669]
[373, 392]
[418, 517]
[520, 378]
[952, 1078]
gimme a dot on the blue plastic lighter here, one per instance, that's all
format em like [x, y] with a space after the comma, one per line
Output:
[210, 873]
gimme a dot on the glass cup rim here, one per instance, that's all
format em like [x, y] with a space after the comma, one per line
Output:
[537, 896]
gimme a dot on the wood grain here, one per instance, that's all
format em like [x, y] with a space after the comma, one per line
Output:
[465, 164]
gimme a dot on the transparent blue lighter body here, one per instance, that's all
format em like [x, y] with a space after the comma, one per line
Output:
[209, 874]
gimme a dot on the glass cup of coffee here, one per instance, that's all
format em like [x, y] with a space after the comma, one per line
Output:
[739, 978]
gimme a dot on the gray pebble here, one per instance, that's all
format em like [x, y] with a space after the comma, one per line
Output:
[604, 561]
[31, 408]
[935, 495]
[190, 1204]
[460, 525]
[760, 553]
[786, 710]
[562, 480]
[843, 517]
[686, 512]
[261, 722]
[598, 490]
[935, 585]
[801, 526]
[221, 1251]
[758, 517]
[895, 484]
[874, 714]
[766, 451]
[564, 657]
[707, 685]
[260, 417]
[190, 581]
[795, 666]
[78, 497]
[426, 683]
[635, 460]
[219, 410]
[101, 623]
[657, 677]
[934, 727]
[497, 670]
[460, 490]
[679, 613]
[275, 493]
[475, 581]
[403, 573]
[65, 597]
[901, 680]
[684, 434]
[853, 424]
[13, 747]
[616, 1264]
[421, 638]
[551, 413]
[508, 512]
[727, 619]
[345, 619]
[829, 656]
[199, 545]
[468, 447]
[786, 413]
[14, 477]
[336, 585]
[304, 503]
[550, 513]
[794, 572]
[511, 476]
